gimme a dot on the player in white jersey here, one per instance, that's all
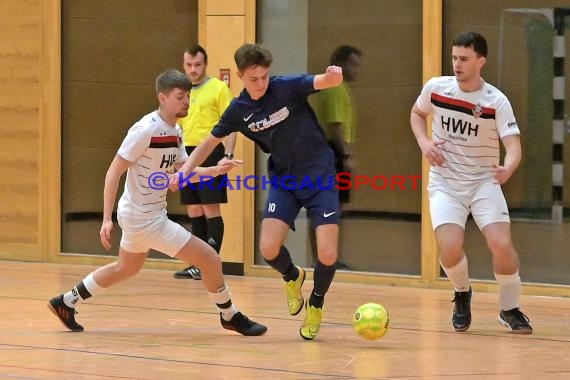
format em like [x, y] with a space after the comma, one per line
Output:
[469, 118]
[152, 149]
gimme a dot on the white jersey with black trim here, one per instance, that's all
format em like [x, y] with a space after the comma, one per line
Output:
[471, 124]
[152, 146]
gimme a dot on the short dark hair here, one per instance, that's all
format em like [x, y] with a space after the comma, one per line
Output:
[171, 79]
[472, 40]
[193, 50]
[341, 53]
[248, 55]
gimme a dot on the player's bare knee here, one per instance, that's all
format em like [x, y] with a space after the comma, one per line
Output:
[450, 256]
[194, 211]
[269, 253]
[501, 245]
[328, 255]
[450, 251]
[269, 248]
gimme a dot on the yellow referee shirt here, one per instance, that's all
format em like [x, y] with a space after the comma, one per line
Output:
[208, 101]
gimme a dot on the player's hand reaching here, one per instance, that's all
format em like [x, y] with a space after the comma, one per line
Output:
[501, 174]
[173, 185]
[225, 165]
[202, 173]
[432, 152]
[173, 180]
[105, 234]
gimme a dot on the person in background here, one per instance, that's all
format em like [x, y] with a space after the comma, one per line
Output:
[209, 98]
[336, 112]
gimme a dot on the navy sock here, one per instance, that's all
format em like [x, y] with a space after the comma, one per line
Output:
[322, 278]
[316, 300]
[284, 265]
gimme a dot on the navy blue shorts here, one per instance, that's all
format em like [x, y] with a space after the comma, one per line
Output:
[322, 206]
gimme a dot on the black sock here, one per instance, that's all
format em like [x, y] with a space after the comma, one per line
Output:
[215, 232]
[316, 300]
[322, 278]
[292, 273]
[284, 265]
[199, 227]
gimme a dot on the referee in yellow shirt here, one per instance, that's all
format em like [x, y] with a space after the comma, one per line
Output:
[209, 98]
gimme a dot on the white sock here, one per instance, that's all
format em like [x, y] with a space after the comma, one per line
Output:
[509, 290]
[85, 289]
[459, 275]
[223, 300]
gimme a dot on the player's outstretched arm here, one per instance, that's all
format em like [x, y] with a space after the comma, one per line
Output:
[332, 77]
[197, 156]
[200, 174]
[223, 167]
[117, 168]
[230, 142]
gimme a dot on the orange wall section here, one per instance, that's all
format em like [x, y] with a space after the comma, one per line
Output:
[223, 26]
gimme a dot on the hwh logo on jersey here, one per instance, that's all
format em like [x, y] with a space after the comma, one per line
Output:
[167, 160]
[459, 126]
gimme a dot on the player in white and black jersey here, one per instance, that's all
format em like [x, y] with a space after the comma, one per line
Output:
[151, 150]
[469, 119]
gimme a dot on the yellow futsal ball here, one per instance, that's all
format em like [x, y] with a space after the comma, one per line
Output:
[371, 321]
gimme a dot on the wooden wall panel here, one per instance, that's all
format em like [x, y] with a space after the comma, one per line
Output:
[224, 26]
[20, 52]
[111, 55]
[389, 33]
[231, 30]
[225, 7]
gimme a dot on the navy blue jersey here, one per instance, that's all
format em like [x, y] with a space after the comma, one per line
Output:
[283, 124]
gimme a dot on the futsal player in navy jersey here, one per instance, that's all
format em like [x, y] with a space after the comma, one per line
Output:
[275, 114]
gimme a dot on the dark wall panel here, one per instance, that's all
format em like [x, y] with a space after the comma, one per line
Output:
[389, 33]
[112, 52]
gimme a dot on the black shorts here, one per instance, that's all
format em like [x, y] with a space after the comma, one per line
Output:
[343, 195]
[208, 192]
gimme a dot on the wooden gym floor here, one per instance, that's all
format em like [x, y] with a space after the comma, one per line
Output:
[156, 327]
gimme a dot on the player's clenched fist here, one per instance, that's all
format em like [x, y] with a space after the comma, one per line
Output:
[334, 71]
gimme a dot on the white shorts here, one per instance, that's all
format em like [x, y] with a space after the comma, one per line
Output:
[485, 201]
[160, 234]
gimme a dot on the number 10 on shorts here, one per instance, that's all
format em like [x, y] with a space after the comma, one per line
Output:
[271, 207]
